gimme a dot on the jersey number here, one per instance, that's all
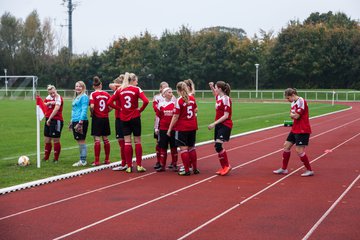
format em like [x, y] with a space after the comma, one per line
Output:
[127, 102]
[102, 105]
[190, 112]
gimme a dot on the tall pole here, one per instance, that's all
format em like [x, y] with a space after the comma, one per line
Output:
[257, 79]
[70, 10]
[6, 82]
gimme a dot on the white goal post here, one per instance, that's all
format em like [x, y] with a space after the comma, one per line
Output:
[11, 84]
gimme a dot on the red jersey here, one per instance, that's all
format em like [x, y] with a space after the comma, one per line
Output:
[187, 117]
[301, 125]
[50, 108]
[129, 102]
[100, 99]
[223, 104]
[165, 112]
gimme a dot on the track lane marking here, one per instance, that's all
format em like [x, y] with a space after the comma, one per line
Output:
[197, 183]
[316, 225]
[260, 192]
[207, 156]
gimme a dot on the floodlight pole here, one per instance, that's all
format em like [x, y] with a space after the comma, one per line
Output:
[6, 82]
[257, 79]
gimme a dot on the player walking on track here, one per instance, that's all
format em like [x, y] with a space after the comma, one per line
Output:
[165, 112]
[79, 120]
[223, 123]
[100, 126]
[129, 95]
[185, 125]
[54, 122]
[299, 134]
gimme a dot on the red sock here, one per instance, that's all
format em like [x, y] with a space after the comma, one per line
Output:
[97, 149]
[193, 157]
[107, 149]
[138, 153]
[185, 159]
[163, 154]
[174, 155]
[47, 151]
[305, 160]
[57, 149]
[122, 151]
[286, 157]
[158, 149]
[223, 158]
[128, 153]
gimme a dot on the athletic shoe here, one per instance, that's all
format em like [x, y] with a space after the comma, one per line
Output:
[79, 164]
[171, 166]
[157, 165]
[55, 161]
[225, 170]
[219, 171]
[183, 173]
[129, 170]
[308, 173]
[196, 171]
[120, 168]
[183, 169]
[281, 171]
[140, 169]
[95, 164]
[160, 169]
[107, 162]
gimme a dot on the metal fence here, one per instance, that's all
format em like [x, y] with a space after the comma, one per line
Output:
[314, 95]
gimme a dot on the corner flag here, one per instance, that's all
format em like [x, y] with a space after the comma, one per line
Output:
[40, 114]
[40, 108]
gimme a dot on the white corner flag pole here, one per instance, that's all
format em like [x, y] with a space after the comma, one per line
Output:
[37, 137]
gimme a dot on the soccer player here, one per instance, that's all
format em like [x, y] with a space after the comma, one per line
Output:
[79, 120]
[185, 125]
[299, 134]
[115, 86]
[223, 123]
[129, 95]
[165, 113]
[156, 100]
[100, 126]
[54, 123]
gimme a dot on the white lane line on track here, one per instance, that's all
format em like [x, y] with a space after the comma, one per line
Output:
[194, 184]
[259, 192]
[316, 225]
[207, 156]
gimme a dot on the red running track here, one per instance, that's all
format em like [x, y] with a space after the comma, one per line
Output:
[250, 203]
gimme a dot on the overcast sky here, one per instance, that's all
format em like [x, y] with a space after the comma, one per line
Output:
[96, 24]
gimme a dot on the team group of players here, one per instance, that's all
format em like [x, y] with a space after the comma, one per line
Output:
[175, 124]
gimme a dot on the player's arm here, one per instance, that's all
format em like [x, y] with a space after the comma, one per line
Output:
[220, 120]
[110, 102]
[145, 101]
[174, 119]
[211, 85]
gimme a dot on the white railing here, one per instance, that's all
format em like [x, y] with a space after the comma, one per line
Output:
[315, 95]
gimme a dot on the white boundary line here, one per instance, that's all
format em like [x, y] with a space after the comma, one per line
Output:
[259, 192]
[330, 209]
[194, 184]
[94, 169]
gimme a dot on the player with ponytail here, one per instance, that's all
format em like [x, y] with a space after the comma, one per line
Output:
[185, 125]
[222, 124]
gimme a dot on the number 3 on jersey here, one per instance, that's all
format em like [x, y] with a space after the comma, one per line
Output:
[190, 112]
[127, 102]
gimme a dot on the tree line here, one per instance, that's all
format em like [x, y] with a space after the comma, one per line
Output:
[323, 51]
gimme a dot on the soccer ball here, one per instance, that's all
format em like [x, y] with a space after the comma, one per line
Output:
[23, 161]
